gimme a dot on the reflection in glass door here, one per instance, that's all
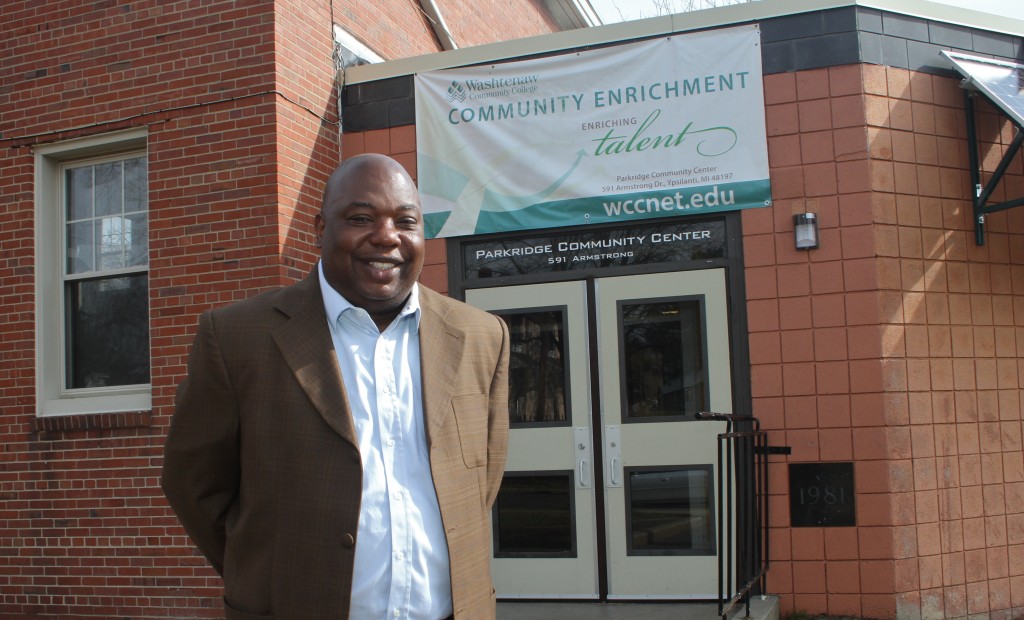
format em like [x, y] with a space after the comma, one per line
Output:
[670, 511]
[536, 365]
[663, 359]
[545, 541]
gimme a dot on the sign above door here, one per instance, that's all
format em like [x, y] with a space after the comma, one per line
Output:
[675, 242]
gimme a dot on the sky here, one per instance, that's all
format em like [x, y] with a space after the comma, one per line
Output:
[612, 11]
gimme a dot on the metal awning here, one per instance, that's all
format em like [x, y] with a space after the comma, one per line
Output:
[1002, 83]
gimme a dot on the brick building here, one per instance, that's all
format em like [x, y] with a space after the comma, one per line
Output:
[892, 348]
[158, 158]
[203, 133]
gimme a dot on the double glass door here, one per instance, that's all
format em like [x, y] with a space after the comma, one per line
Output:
[610, 484]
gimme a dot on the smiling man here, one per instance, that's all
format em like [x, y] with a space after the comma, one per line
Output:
[337, 444]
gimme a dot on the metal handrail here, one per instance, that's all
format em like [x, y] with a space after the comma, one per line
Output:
[752, 544]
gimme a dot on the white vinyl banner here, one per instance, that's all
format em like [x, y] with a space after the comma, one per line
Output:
[661, 128]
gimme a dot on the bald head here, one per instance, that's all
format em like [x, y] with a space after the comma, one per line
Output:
[370, 234]
[353, 166]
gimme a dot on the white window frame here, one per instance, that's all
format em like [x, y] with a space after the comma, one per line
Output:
[351, 51]
[53, 397]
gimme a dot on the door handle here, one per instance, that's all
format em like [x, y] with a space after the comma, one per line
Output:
[613, 448]
[581, 448]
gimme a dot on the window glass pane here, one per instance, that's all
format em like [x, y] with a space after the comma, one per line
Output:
[670, 512]
[107, 331]
[108, 189]
[135, 185]
[663, 359]
[534, 516]
[137, 239]
[108, 215]
[111, 231]
[79, 193]
[537, 368]
[80, 247]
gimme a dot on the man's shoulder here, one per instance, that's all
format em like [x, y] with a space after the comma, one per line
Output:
[280, 297]
[444, 305]
[459, 314]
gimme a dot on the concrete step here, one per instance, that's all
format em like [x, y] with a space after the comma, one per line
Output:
[761, 608]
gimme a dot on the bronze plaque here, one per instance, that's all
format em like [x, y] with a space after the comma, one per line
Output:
[821, 495]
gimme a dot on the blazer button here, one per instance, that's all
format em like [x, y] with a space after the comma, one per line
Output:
[348, 541]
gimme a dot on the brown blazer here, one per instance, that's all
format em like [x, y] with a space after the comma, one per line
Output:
[262, 464]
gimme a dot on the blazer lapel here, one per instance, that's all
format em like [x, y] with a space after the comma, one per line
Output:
[305, 342]
[441, 347]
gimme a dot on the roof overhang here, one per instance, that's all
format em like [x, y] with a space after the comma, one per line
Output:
[1002, 83]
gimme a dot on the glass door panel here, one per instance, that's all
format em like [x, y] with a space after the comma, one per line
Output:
[537, 370]
[671, 511]
[533, 516]
[663, 359]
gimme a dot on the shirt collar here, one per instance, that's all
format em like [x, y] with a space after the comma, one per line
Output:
[335, 303]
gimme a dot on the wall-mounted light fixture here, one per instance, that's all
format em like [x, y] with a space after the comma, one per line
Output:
[805, 231]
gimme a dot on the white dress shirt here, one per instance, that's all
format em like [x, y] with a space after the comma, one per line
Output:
[401, 565]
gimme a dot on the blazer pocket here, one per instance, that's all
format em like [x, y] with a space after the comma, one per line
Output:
[230, 613]
[471, 419]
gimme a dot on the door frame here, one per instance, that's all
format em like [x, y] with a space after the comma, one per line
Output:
[658, 443]
[534, 450]
[736, 302]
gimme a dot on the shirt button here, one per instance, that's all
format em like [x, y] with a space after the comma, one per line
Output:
[398, 497]
[400, 556]
[391, 442]
[397, 613]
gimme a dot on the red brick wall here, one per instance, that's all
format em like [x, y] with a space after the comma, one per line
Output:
[475, 23]
[392, 29]
[85, 529]
[401, 29]
[308, 135]
[815, 349]
[70, 63]
[893, 345]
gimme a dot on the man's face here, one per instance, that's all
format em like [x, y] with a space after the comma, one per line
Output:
[370, 235]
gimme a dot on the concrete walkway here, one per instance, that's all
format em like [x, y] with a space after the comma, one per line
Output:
[760, 609]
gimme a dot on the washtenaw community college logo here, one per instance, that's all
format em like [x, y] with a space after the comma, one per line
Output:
[456, 92]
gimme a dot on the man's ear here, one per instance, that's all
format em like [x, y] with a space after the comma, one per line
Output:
[318, 228]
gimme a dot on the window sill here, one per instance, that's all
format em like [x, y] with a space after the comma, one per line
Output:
[94, 421]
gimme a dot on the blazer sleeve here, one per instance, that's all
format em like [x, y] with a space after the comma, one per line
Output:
[201, 470]
[497, 438]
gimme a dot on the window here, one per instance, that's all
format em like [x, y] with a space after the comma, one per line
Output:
[538, 374]
[350, 51]
[534, 516]
[669, 511]
[663, 360]
[92, 284]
